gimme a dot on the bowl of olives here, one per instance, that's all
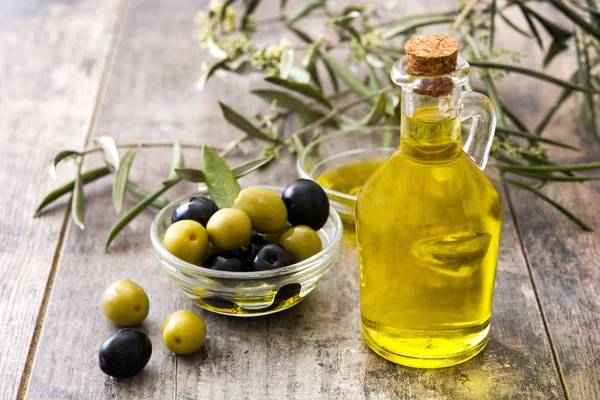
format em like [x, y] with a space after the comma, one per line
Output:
[263, 255]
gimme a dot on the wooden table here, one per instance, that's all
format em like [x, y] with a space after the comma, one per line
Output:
[71, 70]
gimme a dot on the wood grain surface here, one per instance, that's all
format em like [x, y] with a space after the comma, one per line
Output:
[313, 350]
[52, 55]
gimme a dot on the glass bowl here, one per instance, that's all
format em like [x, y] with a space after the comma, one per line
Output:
[340, 148]
[246, 294]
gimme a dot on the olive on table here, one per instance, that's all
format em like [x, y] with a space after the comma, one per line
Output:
[307, 203]
[265, 209]
[183, 332]
[198, 209]
[273, 256]
[302, 241]
[125, 303]
[187, 240]
[229, 229]
[125, 353]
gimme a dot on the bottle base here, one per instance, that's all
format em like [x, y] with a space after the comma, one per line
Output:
[424, 362]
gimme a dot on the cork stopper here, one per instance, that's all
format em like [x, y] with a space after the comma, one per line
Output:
[431, 55]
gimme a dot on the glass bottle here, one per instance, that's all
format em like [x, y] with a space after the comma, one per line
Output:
[428, 227]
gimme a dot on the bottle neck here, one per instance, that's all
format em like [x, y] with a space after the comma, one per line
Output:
[431, 126]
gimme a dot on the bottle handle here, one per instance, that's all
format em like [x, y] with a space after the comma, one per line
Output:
[479, 142]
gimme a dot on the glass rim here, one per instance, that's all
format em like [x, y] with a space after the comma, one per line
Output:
[300, 161]
[302, 266]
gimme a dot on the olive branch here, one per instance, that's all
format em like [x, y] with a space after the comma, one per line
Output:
[300, 70]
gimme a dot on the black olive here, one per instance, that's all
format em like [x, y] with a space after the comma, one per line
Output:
[125, 353]
[199, 209]
[307, 203]
[218, 302]
[233, 261]
[284, 293]
[257, 243]
[273, 256]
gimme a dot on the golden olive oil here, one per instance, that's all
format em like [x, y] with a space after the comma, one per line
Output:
[428, 228]
[349, 178]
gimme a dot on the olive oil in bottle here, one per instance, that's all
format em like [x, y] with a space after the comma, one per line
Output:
[428, 224]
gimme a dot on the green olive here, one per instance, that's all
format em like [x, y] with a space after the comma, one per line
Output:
[187, 240]
[265, 209]
[183, 332]
[274, 237]
[301, 240]
[229, 229]
[125, 303]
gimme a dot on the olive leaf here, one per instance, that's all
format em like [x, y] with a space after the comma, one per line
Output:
[547, 199]
[302, 88]
[314, 76]
[305, 37]
[515, 27]
[197, 176]
[306, 113]
[302, 11]
[110, 150]
[135, 210]
[413, 22]
[287, 63]
[593, 10]
[226, 4]
[78, 202]
[589, 114]
[212, 68]
[141, 194]
[564, 94]
[344, 18]
[300, 75]
[533, 74]
[376, 113]
[250, 166]
[531, 24]
[347, 77]
[240, 122]
[177, 160]
[535, 138]
[374, 81]
[308, 59]
[215, 50]
[121, 178]
[559, 35]
[554, 168]
[190, 174]
[576, 18]
[249, 7]
[60, 156]
[220, 181]
[493, 10]
[332, 77]
[86, 177]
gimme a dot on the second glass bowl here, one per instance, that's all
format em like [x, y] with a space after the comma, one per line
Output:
[339, 148]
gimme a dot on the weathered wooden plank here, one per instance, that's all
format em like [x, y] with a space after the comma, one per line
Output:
[564, 260]
[147, 98]
[51, 59]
